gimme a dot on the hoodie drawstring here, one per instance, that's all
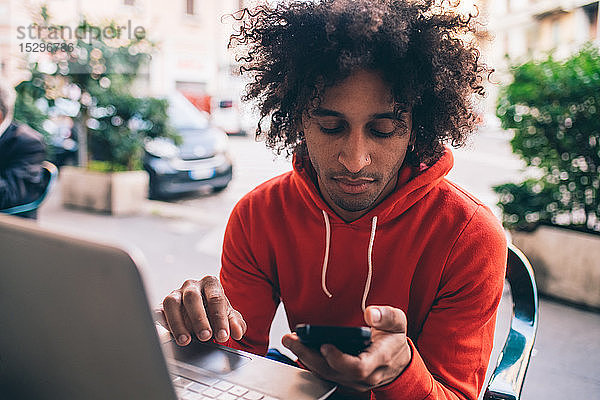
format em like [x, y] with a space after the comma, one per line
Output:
[326, 257]
[369, 256]
[370, 261]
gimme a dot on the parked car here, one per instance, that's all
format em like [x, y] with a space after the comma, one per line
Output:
[200, 161]
[233, 117]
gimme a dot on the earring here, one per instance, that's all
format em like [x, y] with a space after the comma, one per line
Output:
[411, 148]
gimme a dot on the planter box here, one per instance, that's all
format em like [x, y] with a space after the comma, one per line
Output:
[117, 193]
[566, 262]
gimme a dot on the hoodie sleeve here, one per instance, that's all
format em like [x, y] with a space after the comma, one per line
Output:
[249, 288]
[451, 355]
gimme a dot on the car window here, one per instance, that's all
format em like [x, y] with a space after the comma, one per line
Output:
[184, 116]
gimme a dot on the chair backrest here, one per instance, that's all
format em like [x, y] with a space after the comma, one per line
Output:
[50, 173]
[507, 379]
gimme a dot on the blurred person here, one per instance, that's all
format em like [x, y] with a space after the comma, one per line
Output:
[22, 151]
[365, 229]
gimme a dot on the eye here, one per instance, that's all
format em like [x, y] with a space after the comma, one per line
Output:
[331, 126]
[384, 127]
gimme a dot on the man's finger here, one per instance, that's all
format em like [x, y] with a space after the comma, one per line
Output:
[386, 318]
[194, 308]
[217, 307]
[315, 362]
[341, 362]
[237, 325]
[172, 307]
[310, 358]
[186, 320]
[358, 367]
[291, 342]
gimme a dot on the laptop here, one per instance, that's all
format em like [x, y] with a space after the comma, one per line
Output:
[75, 324]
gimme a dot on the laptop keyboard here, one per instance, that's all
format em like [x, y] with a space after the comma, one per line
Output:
[214, 389]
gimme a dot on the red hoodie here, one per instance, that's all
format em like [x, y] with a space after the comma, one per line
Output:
[429, 248]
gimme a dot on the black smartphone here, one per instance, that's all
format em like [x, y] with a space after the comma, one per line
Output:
[351, 340]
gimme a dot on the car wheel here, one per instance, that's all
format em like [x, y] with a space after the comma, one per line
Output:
[154, 192]
[70, 160]
[218, 189]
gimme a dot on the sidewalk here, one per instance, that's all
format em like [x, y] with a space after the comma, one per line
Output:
[182, 242]
[178, 242]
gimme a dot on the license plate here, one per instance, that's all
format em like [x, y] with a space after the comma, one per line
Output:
[198, 174]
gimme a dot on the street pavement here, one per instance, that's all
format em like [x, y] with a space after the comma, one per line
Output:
[182, 239]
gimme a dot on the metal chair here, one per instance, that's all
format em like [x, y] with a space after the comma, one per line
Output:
[507, 379]
[28, 210]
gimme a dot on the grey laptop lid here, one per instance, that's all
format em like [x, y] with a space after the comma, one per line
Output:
[75, 324]
[47, 282]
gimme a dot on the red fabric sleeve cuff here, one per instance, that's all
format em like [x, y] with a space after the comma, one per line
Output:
[414, 383]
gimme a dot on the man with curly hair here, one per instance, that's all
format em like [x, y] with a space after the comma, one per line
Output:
[365, 229]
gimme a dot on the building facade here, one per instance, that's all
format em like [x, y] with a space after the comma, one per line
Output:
[520, 30]
[532, 28]
[190, 35]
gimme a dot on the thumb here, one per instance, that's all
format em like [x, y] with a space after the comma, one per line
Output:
[386, 318]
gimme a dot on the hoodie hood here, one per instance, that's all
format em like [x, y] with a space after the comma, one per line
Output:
[413, 184]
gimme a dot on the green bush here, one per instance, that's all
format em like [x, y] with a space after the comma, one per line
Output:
[553, 108]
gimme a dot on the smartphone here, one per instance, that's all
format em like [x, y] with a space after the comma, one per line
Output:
[351, 340]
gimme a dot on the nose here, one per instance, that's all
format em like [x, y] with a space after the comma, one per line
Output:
[354, 154]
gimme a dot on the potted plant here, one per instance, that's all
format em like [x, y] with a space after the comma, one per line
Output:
[553, 107]
[90, 80]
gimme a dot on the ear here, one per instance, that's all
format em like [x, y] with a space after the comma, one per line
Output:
[303, 121]
[411, 142]
[411, 126]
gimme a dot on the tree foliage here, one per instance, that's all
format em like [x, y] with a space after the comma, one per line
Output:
[93, 79]
[553, 108]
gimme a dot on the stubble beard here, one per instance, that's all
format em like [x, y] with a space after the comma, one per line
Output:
[354, 203]
[350, 202]
[347, 202]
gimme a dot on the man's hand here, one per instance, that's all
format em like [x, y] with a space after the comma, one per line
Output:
[201, 308]
[379, 364]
